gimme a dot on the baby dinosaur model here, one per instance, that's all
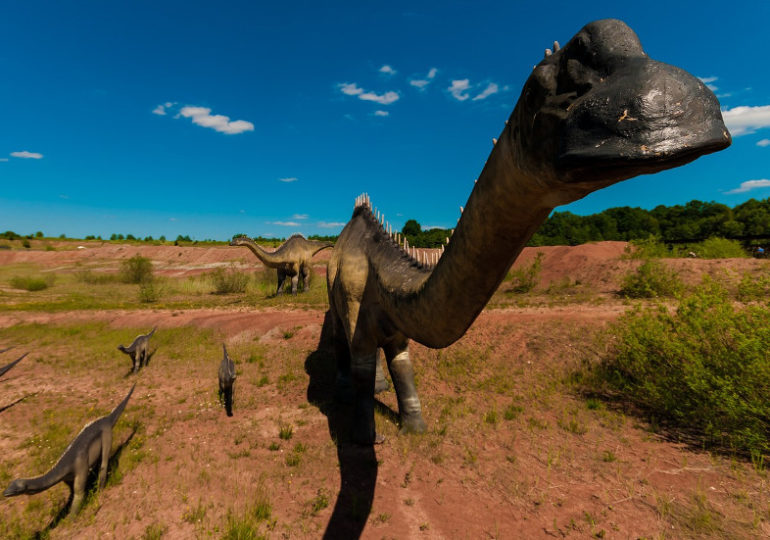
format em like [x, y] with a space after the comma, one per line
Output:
[291, 259]
[92, 444]
[226, 380]
[6, 368]
[591, 114]
[138, 350]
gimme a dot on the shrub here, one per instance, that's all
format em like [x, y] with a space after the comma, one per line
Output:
[719, 248]
[148, 292]
[229, 281]
[754, 287]
[704, 367]
[33, 283]
[137, 269]
[525, 279]
[651, 280]
[647, 248]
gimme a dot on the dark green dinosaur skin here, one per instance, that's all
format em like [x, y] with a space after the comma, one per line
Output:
[226, 380]
[292, 259]
[92, 445]
[591, 114]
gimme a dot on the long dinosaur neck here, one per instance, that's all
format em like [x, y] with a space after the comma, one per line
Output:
[267, 258]
[503, 211]
[320, 246]
[118, 410]
[49, 479]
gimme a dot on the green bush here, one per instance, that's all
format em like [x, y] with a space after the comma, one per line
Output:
[703, 367]
[647, 248]
[229, 281]
[33, 283]
[137, 269]
[525, 279]
[148, 292]
[651, 280]
[753, 288]
[719, 248]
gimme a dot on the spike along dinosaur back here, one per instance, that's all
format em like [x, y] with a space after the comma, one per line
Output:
[292, 259]
[591, 114]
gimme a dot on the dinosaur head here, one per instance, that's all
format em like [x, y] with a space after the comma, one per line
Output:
[599, 110]
[16, 487]
[239, 240]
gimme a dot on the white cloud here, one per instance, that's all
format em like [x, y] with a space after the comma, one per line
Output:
[749, 185]
[289, 179]
[160, 110]
[352, 89]
[707, 81]
[331, 224]
[385, 99]
[285, 223]
[422, 83]
[459, 89]
[27, 155]
[386, 69]
[299, 216]
[491, 88]
[745, 120]
[763, 143]
[218, 122]
[381, 113]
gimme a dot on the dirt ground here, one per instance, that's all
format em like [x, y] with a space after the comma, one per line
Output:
[556, 466]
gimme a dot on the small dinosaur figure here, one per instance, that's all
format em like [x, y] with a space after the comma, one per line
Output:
[138, 350]
[291, 259]
[226, 380]
[92, 444]
[6, 368]
[591, 114]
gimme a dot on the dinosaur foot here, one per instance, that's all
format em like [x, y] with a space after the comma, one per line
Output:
[413, 424]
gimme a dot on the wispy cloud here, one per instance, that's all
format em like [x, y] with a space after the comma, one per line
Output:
[707, 81]
[491, 88]
[330, 224]
[352, 89]
[202, 116]
[27, 155]
[745, 120]
[750, 185]
[299, 216]
[387, 70]
[381, 113]
[3, 159]
[459, 89]
[161, 109]
[285, 223]
[763, 143]
[422, 83]
[288, 179]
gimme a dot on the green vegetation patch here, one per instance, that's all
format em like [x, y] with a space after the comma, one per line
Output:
[651, 280]
[703, 367]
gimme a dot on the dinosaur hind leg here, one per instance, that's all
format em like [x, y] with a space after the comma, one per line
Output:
[381, 384]
[106, 447]
[294, 283]
[363, 371]
[402, 373]
[281, 280]
[305, 279]
[79, 482]
[134, 366]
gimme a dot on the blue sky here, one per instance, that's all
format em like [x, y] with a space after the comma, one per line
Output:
[215, 118]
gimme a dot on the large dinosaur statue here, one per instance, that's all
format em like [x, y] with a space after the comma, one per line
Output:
[226, 380]
[7, 367]
[291, 259]
[591, 114]
[93, 443]
[138, 350]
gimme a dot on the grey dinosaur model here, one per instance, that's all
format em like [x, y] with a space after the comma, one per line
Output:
[292, 259]
[138, 350]
[591, 114]
[6, 368]
[92, 445]
[226, 380]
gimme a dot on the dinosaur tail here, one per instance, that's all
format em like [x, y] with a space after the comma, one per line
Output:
[115, 414]
[9, 366]
[323, 248]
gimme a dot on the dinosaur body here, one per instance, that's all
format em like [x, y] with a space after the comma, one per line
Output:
[138, 350]
[593, 113]
[226, 380]
[292, 259]
[7, 367]
[92, 445]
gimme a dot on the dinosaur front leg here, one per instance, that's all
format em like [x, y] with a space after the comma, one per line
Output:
[134, 367]
[79, 482]
[106, 447]
[363, 371]
[381, 384]
[402, 373]
[281, 280]
[305, 279]
[294, 283]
